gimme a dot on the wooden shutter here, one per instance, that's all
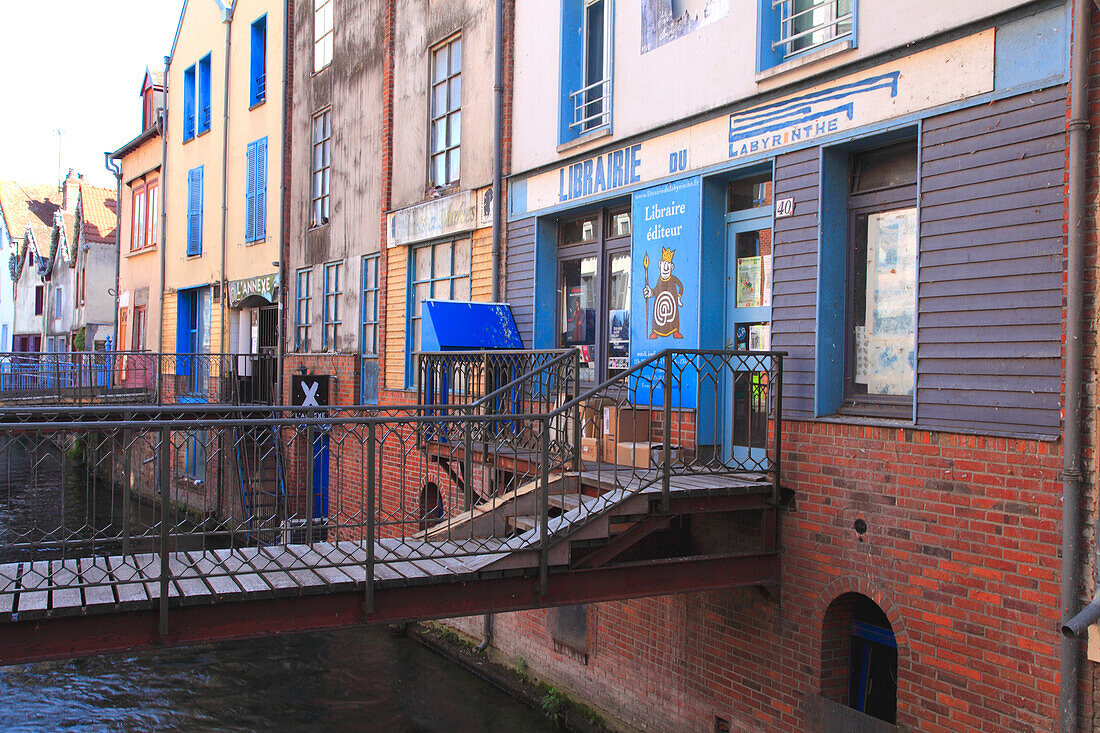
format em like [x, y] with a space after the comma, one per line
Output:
[194, 211]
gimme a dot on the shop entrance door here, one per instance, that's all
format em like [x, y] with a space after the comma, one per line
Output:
[748, 328]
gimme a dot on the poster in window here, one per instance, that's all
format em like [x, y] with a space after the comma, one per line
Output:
[750, 282]
[888, 344]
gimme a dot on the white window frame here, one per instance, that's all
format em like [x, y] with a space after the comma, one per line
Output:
[323, 34]
[321, 167]
[445, 151]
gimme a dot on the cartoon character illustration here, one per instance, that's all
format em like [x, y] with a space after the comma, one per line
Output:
[667, 295]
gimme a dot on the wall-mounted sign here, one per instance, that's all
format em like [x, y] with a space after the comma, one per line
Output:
[266, 286]
[902, 87]
[784, 208]
[309, 390]
[459, 212]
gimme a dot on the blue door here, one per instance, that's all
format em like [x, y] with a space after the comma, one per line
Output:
[320, 474]
[748, 328]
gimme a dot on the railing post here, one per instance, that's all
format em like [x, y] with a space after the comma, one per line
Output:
[544, 512]
[576, 419]
[311, 449]
[165, 487]
[467, 464]
[666, 449]
[368, 591]
[126, 478]
[778, 459]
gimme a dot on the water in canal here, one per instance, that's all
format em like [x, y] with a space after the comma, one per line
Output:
[352, 680]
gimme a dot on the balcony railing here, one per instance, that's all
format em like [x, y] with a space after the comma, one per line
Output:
[807, 24]
[591, 106]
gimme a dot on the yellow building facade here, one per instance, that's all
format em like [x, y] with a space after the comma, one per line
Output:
[222, 184]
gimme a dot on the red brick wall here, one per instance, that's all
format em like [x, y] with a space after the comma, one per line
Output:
[961, 553]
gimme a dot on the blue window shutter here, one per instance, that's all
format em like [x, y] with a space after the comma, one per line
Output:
[261, 188]
[250, 193]
[189, 103]
[204, 94]
[259, 61]
[194, 211]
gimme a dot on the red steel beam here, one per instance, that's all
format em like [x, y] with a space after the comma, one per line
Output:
[63, 638]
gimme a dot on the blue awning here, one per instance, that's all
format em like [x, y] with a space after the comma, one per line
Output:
[449, 325]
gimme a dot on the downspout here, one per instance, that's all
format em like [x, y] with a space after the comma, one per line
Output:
[163, 210]
[116, 169]
[227, 20]
[498, 151]
[1071, 447]
[498, 173]
[284, 193]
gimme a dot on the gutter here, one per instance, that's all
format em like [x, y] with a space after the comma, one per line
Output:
[284, 204]
[227, 20]
[163, 210]
[1071, 446]
[498, 152]
[116, 169]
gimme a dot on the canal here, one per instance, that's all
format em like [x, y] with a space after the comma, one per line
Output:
[351, 680]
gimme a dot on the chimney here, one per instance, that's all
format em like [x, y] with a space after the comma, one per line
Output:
[70, 189]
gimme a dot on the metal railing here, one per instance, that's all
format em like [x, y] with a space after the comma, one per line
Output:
[453, 378]
[158, 491]
[591, 106]
[136, 378]
[807, 24]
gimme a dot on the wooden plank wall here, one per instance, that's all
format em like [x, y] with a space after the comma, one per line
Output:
[990, 279]
[519, 288]
[990, 310]
[794, 283]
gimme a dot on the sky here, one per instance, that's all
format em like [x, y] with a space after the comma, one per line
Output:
[77, 66]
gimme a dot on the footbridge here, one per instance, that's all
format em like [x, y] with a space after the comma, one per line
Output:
[145, 526]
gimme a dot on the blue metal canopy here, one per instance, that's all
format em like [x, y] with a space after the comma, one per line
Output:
[450, 325]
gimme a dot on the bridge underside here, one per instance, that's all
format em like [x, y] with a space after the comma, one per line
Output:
[111, 604]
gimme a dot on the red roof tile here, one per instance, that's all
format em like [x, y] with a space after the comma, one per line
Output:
[98, 206]
[30, 205]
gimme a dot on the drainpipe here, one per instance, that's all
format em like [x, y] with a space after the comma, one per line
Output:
[1071, 447]
[284, 193]
[498, 152]
[227, 20]
[116, 169]
[163, 212]
[486, 633]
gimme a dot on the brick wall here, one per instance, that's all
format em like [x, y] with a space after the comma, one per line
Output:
[961, 553]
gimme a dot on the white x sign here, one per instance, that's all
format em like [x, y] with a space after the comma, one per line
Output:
[310, 394]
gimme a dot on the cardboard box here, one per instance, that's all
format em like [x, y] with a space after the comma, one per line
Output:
[634, 454]
[592, 417]
[624, 425]
[590, 449]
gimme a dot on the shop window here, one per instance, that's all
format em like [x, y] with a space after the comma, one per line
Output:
[322, 34]
[594, 292]
[440, 271]
[301, 311]
[330, 317]
[587, 38]
[446, 122]
[859, 657]
[320, 163]
[867, 281]
[257, 91]
[791, 28]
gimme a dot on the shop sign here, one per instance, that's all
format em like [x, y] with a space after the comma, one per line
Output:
[460, 212]
[665, 282]
[266, 286]
[964, 69]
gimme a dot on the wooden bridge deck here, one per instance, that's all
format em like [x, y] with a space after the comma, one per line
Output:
[106, 584]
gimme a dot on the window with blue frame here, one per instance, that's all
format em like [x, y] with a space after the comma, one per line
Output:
[330, 320]
[194, 212]
[301, 311]
[790, 28]
[255, 226]
[189, 103]
[258, 70]
[440, 270]
[586, 53]
[368, 333]
[202, 106]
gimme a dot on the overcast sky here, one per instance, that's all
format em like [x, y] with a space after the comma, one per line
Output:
[76, 65]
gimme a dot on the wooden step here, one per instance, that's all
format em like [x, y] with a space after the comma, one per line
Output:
[565, 502]
[522, 523]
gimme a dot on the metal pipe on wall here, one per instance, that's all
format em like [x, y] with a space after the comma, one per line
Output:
[116, 170]
[1071, 444]
[498, 152]
[163, 204]
[227, 19]
[284, 200]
